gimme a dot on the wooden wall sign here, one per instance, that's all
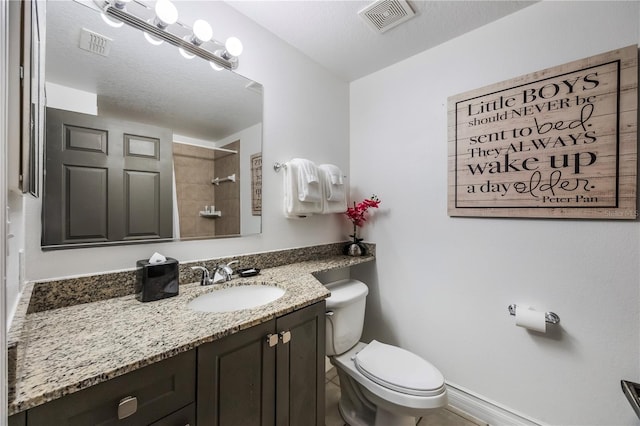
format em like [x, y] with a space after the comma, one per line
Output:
[561, 143]
[256, 184]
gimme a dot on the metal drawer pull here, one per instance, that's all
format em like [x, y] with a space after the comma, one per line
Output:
[285, 336]
[272, 340]
[127, 407]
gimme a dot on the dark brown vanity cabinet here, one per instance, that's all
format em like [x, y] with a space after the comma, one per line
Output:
[19, 419]
[163, 393]
[270, 374]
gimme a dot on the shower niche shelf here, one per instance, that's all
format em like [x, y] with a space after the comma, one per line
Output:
[212, 215]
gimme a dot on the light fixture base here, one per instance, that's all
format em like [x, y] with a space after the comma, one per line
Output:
[153, 31]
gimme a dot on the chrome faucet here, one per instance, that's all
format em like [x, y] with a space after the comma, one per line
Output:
[206, 279]
[223, 272]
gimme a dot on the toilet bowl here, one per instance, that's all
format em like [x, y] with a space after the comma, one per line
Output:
[381, 384]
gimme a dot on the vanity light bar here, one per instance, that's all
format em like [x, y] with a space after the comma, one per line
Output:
[143, 25]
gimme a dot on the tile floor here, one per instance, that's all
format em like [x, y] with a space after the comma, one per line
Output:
[444, 417]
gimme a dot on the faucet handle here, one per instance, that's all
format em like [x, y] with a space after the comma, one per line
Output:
[205, 280]
[228, 269]
[220, 274]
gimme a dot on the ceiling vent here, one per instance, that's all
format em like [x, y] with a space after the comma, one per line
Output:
[383, 15]
[94, 42]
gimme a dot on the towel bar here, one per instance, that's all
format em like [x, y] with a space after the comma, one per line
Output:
[549, 317]
[277, 166]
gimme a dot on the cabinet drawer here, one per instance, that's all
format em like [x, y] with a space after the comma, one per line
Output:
[159, 390]
[183, 417]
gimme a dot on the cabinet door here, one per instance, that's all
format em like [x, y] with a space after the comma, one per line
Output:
[19, 419]
[300, 367]
[159, 389]
[236, 379]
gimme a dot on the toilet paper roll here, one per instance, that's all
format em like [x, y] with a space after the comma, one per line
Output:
[530, 319]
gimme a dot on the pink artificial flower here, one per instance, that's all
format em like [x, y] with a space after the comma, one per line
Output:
[357, 213]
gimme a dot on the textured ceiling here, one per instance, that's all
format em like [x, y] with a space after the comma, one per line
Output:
[134, 79]
[332, 33]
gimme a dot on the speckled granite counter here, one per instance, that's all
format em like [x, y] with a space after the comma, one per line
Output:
[67, 349]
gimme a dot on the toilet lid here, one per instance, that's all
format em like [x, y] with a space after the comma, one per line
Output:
[399, 370]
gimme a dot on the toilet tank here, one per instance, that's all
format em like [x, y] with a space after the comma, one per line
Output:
[345, 315]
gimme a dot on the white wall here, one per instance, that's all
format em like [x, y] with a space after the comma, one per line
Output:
[13, 196]
[306, 114]
[4, 98]
[70, 99]
[443, 284]
[250, 143]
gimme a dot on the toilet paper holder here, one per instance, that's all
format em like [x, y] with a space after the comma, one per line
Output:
[550, 317]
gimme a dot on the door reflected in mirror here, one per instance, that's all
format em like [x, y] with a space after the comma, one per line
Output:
[214, 117]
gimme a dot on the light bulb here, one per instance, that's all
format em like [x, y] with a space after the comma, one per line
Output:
[183, 52]
[233, 46]
[215, 66]
[186, 54]
[166, 14]
[153, 40]
[111, 22]
[202, 32]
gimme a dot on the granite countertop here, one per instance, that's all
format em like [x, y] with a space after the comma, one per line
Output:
[64, 350]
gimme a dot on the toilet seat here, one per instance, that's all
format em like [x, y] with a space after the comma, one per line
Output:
[382, 396]
[399, 370]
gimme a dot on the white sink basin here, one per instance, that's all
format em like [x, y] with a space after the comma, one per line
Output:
[236, 298]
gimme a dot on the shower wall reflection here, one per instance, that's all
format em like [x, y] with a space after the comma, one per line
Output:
[227, 194]
[195, 167]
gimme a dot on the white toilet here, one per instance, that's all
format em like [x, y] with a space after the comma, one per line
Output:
[381, 385]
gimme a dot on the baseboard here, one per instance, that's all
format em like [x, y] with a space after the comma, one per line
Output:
[486, 411]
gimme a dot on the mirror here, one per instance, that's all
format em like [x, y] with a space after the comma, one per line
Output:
[215, 117]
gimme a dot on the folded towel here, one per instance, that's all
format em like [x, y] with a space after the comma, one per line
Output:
[334, 207]
[334, 172]
[309, 187]
[293, 207]
[334, 189]
[333, 182]
[307, 170]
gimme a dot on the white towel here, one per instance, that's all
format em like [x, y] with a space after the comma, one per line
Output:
[334, 189]
[309, 186]
[334, 184]
[293, 207]
[334, 172]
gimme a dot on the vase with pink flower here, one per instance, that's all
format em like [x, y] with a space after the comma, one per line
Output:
[358, 216]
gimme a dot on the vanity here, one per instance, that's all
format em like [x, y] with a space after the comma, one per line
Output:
[121, 361]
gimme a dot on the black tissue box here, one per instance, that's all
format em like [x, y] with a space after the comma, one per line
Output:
[157, 281]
